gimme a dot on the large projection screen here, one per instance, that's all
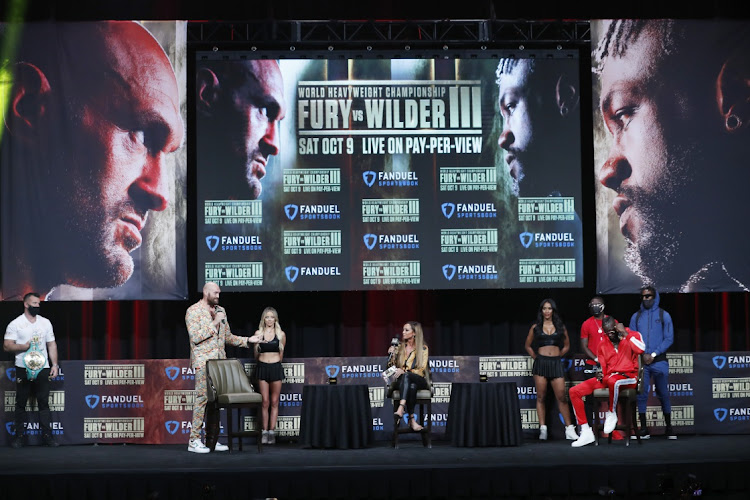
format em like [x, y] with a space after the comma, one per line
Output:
[93, 162]
[671, 152]
[387, 173]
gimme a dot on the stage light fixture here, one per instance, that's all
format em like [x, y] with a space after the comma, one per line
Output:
[483, 47]
[521, 47]
[215, 48]
[292, 48]
[559, 47]
[369, 48]
[445, 47]
[406, 47]
[330, 47]
[253, 48]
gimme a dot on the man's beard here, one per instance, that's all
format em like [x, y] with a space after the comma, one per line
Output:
[659, 254]
[653, 256]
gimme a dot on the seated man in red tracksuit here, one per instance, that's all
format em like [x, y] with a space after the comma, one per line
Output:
[619, 360]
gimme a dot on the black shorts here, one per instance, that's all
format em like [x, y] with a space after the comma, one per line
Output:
[270, 372]
[548, 367]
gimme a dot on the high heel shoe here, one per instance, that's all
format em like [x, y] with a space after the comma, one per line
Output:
[418, 428]
[399, 417]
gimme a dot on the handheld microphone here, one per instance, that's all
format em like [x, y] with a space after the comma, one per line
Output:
[394, 343]
[218, 310]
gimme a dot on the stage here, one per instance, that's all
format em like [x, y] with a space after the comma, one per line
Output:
[658, 468]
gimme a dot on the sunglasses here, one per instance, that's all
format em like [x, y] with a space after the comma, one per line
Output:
[647, 296]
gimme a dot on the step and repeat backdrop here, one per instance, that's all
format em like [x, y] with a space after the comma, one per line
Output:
[378, 173]
[150, 401]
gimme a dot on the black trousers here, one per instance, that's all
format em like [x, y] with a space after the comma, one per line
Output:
[39, 387]
[408, 384]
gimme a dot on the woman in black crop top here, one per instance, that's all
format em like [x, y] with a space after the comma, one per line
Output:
[547, 343]
[269, 342]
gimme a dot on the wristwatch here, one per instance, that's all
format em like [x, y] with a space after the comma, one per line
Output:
[653, 354]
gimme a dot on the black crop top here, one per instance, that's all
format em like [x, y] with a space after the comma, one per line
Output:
[270, 346]
[543, 339]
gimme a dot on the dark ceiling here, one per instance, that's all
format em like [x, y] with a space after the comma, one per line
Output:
[239, 10]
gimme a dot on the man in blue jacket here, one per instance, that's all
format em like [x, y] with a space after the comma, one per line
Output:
[655, 326]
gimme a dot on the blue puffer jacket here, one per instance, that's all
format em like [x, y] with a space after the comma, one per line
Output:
[657, 336]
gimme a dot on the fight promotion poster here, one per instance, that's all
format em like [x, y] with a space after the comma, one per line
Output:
[671, 151]
[93, 160]
[362, 174]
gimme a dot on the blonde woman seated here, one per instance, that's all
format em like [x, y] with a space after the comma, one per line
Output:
[411, 358]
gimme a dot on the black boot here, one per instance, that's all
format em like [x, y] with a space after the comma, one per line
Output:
[643, 431]
[669, 432]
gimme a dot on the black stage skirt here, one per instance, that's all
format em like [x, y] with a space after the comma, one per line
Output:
[270, 372]
[548, 366]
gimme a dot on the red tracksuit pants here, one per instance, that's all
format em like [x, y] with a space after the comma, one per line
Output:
[613, 382]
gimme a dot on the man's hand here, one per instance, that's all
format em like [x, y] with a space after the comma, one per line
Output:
[621, 332]
[647, 358]
[54, 371]
[599, 376]
[220, 316]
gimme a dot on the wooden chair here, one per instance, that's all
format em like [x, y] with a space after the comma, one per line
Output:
[628, 400]
[424, 402]
[229, 387]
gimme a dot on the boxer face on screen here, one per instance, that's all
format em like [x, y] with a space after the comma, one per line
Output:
[122, 117]
[534, 100]
[667, 150]
[242, 103]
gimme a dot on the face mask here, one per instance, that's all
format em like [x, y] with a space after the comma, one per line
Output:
[648, 303]
[596, 309]
[33, 310]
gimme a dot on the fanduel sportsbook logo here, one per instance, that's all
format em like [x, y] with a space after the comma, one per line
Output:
[212, 242]
[92, 401]
[172, 426]
[11, 373]
[172, 372]
[526, 239]
[449, 271]
[291, 211]
[369, 177]
[292, 272]
[448, 209]
[720, 414]
[332, 371]
[719, 362]
[370, 240]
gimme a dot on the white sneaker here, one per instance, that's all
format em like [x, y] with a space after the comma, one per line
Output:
[542, 432]
[610, 422]
[587, 437]
[196, 446]
[221, 447]
[271, 437]
[264, 437]
[570, 432]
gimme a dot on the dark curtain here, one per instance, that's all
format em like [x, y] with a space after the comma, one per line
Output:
[461, 322]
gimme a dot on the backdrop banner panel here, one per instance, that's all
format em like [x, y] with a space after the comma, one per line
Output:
[150, 401]
[369, 174]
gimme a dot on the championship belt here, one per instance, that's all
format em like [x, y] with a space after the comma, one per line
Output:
[33, 359]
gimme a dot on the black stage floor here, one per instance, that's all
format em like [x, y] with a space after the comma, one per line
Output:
[720, 466]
